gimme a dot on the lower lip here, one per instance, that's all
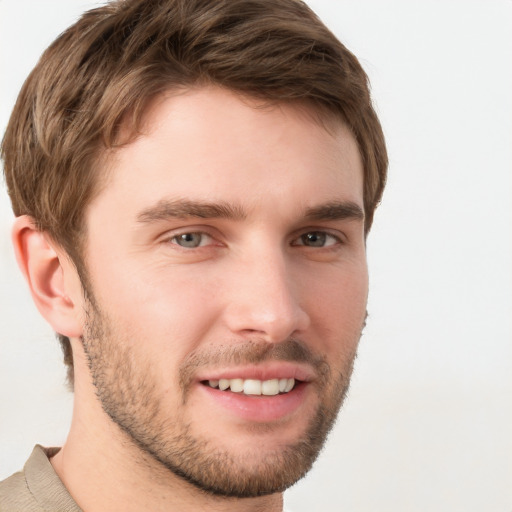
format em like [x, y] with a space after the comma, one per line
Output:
[262, 409]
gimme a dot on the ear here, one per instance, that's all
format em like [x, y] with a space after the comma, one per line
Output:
[51, 277]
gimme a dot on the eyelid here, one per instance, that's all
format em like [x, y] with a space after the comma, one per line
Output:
[338, 235]
[171, 235]
[174, 239]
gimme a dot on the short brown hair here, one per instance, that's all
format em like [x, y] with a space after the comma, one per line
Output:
[105, 69]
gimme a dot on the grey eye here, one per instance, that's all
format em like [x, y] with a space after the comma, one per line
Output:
[189, 240]
[314, 239]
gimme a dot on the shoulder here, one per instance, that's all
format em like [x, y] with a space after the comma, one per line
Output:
[15, 496]
[37, 488]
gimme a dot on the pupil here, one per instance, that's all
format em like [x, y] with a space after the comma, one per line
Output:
[314, 239]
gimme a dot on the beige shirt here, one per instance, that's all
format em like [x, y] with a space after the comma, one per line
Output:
[37, 488]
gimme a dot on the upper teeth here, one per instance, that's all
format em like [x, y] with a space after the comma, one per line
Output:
[254, 387]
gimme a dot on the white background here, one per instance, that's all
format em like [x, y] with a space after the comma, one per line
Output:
[428, 423]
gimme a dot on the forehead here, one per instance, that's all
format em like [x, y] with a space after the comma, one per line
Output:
[209, 144]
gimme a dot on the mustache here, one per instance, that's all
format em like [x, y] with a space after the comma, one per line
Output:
[252, 352]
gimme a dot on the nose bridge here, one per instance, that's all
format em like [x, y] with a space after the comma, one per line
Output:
[267, 299]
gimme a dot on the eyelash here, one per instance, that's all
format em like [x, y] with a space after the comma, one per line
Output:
[175, 238]
[318, 234]
[312, 235]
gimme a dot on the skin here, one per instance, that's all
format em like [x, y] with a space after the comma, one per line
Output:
[163, 317]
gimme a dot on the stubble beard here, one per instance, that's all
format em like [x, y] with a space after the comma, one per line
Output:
[128, 395]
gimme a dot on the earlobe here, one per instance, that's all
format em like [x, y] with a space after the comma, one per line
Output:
[44, 268]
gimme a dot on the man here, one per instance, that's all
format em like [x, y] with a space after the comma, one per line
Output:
[193, 182]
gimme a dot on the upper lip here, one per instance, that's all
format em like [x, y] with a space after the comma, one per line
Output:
[263, 371]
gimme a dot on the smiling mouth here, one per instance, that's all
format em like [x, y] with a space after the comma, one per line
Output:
[253, 387]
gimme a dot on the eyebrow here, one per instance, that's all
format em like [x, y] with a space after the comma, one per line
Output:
[183, 209]
[336, 210]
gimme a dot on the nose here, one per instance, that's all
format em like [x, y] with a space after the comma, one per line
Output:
[265, 298]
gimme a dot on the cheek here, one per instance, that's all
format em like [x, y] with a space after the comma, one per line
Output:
[338, 308]
[161, 313]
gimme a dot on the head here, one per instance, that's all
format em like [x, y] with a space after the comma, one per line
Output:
[101, 88]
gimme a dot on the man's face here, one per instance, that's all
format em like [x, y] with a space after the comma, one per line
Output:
[227, 249]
